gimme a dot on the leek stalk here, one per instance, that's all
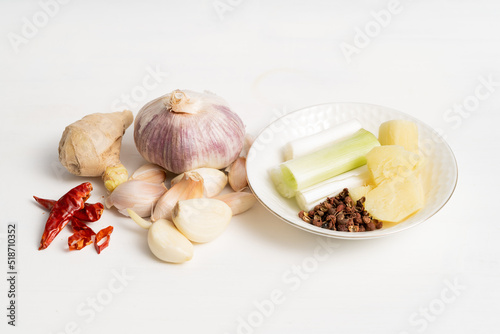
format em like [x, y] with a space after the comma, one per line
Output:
[343, 156]
[309, 197]
[302, 146]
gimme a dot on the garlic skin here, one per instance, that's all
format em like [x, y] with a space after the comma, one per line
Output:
[237, 174]
[201, 219]
[214, 180]
[168, 244]
[191, 186]
[150, 173]
[140, 196]
[239, 202]
[185, 130]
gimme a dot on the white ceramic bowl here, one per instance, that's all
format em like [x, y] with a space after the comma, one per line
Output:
[266, 152]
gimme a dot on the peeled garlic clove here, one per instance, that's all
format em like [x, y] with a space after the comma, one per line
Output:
[237, 174]
[239, 202]
[150, 173]
[202, 219]
[191, 186]
[214, 180]
[140, 196]
[164, 240]
[168, 244]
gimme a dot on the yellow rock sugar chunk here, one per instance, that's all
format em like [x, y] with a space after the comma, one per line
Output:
[357, 192]
[395, 199]
[391, 161]
[399, 132]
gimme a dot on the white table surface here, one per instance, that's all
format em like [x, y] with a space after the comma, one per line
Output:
[266, 58]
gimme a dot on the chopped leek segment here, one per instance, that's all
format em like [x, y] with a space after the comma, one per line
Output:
[313, 168]
[302, 146]
[279, 183]
[308, 198]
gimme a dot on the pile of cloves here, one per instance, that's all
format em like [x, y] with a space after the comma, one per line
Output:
[340, 213]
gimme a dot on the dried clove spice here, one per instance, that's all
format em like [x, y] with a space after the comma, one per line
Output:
[340, 213]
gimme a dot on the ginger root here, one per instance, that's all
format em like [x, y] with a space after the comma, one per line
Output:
[91, 146]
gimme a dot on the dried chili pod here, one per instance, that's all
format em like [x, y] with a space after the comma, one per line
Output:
[82, 236]
[46, 203]
[89, 213]
[104, 233]
[63, 210]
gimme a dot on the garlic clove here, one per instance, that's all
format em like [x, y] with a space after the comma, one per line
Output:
[237, 174]
[201, 219]
[214, 180]
[164, 240]
[140, 196]
[150, 173]
[239, 202]
[168, 244]
[191, 186]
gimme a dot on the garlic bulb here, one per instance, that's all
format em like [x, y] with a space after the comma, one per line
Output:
[140, 196]
[185, 130]
[237, 174]
[201, 219]
[150, 173]
[214, 180]
[191, 186]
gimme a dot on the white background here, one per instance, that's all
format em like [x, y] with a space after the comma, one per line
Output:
[266, 58]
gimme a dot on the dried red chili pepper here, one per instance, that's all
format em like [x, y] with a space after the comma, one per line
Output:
[77, 225]
[46, 203]
[89, 213]
[63, 210]
[82, 235]
[71, 208]
[104, 233]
